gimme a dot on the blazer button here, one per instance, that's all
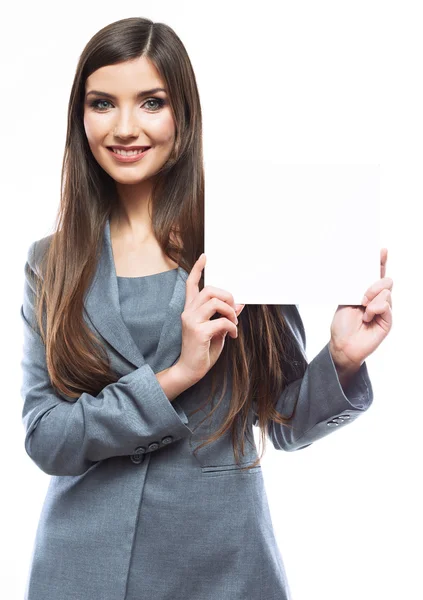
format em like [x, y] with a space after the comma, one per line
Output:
[167, 440]
[137, 458]
[140, 450]
[153, 446]
[338, 420]
[332, 424]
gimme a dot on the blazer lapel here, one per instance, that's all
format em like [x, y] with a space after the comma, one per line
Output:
[103, 309]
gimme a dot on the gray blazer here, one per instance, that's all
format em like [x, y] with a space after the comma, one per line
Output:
[124, 460]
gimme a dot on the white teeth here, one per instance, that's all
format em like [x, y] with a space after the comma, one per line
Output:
[128, 153]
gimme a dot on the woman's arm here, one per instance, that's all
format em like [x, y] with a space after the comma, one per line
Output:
[317, 401]
[67, 438]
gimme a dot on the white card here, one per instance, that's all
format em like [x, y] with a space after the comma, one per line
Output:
[291, 234]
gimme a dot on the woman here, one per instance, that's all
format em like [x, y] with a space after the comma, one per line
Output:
[135, 402]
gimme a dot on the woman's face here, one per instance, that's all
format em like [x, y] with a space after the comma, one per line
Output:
[114, 115]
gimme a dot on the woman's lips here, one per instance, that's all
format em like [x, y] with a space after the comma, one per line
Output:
[130, 159]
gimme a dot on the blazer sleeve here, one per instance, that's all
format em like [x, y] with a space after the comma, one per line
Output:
[132, 415]
[314, 397]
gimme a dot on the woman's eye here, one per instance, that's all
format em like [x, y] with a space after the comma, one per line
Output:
[159, 101]
[95, 103]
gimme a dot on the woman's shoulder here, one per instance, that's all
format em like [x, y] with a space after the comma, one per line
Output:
[36, 251]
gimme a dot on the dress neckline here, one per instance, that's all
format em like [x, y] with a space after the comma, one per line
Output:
[146, 276]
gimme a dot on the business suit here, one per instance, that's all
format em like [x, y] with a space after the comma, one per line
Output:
[124, 459]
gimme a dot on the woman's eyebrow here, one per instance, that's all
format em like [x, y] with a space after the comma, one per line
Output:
[139, 95]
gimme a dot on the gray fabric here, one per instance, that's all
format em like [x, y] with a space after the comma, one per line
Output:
[144, 302]
[130, 511]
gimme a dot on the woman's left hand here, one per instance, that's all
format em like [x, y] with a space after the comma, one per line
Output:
[356, 332]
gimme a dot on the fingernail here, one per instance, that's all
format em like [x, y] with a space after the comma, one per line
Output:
[364, 301]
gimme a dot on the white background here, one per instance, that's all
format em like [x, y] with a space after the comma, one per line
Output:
[346, 510]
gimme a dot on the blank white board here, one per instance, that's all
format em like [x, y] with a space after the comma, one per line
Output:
[291, 233]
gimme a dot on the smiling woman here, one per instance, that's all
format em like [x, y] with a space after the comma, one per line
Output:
[121, 116]
[136, 401]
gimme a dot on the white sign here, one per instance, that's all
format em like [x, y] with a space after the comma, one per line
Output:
[291, 234]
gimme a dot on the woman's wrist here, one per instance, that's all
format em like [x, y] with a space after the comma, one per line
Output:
[346, 371]
[173, 381]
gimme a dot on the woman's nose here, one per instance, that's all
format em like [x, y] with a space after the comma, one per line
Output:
[128, 126]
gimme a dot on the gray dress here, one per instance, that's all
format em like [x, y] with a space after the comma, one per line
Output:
[144, 320]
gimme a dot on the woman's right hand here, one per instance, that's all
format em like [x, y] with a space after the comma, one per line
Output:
[202, 339]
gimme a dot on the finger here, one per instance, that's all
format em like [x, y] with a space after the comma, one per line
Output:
[386, 294]
[381, 298]
[193, 279]
[220, 326]
[373, 291]
[216, 306]
[383, 261]
[381, 308]
[383, 255]
[211, 291]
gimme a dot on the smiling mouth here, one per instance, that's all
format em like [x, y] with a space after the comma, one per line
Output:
[128, 152]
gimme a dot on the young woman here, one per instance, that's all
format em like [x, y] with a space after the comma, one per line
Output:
[135, 402]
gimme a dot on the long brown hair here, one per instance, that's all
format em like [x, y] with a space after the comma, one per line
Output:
[259, 358]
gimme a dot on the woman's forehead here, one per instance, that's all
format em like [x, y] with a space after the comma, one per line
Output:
[129, 73]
